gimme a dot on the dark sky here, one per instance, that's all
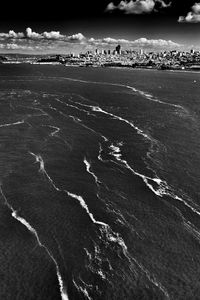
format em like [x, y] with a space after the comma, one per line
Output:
[89, 18]
[62, 11]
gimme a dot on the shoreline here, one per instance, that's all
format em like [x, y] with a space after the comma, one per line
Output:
[97, 66]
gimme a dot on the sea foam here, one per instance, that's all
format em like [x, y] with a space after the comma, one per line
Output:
[15, 215]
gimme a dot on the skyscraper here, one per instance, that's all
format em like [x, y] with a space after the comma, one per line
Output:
[118, 49]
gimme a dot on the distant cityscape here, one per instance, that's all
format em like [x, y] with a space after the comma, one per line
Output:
[118, 57]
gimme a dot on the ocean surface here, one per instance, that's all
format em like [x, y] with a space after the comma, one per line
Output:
[99, 183]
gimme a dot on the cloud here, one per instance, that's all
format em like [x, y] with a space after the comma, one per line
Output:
[108, 41]
[41, 42]
[78, 37]
[192, 16]
[141, 43]
[32, 35]
[52, 35]
[153, 43]
[163, 4]
[55, 42]
[136, 7]
[12, 35]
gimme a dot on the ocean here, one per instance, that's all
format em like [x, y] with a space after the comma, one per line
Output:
[99, 183]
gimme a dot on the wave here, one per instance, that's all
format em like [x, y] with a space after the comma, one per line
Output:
[106, 231]
[163, 188]
[144, 94]
[100, 110]
[12, 124]
[150, 97]
[104, 228]
[75, 107]
[33, 108]
[57, 129]
[153, 279]
[78, 121]
[81, 289]
[124, 247]
[112, 210]
[88, 168]
[192, 229]
[15, 215]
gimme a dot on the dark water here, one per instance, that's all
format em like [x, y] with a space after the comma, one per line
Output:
[99, 173]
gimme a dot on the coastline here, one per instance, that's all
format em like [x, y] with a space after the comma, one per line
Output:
[185, 70]
[195, 70]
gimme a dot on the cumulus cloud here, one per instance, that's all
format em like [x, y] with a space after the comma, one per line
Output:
[136, 7]
[52, 35]
[76, 37]
[55, 41]
[45, 41]
[32, 35]
[192, 16]
[12, 35]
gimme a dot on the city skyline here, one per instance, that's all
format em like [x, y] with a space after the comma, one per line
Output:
[153, 25]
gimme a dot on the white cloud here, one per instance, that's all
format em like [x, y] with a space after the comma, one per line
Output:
[53, 35]
[108, 41]
[159, 43]
[111, 40]
[31, 40]
[32, 35]
[192, 16]
[76, 37]
[136, 6]
[163, 4]
[141, 42]
[12, 35]
[55, 41]
[111, 6]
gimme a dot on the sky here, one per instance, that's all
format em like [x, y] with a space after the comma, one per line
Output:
[42, 27]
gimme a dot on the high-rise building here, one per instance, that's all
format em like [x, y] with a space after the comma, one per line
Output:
[118, 49]
[141, 52]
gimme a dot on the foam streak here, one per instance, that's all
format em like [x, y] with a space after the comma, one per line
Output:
[12, 124]
[88, 168]
[141, 93]
[104, 228]
[75, 107]
[57, 129]
[34, 232]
